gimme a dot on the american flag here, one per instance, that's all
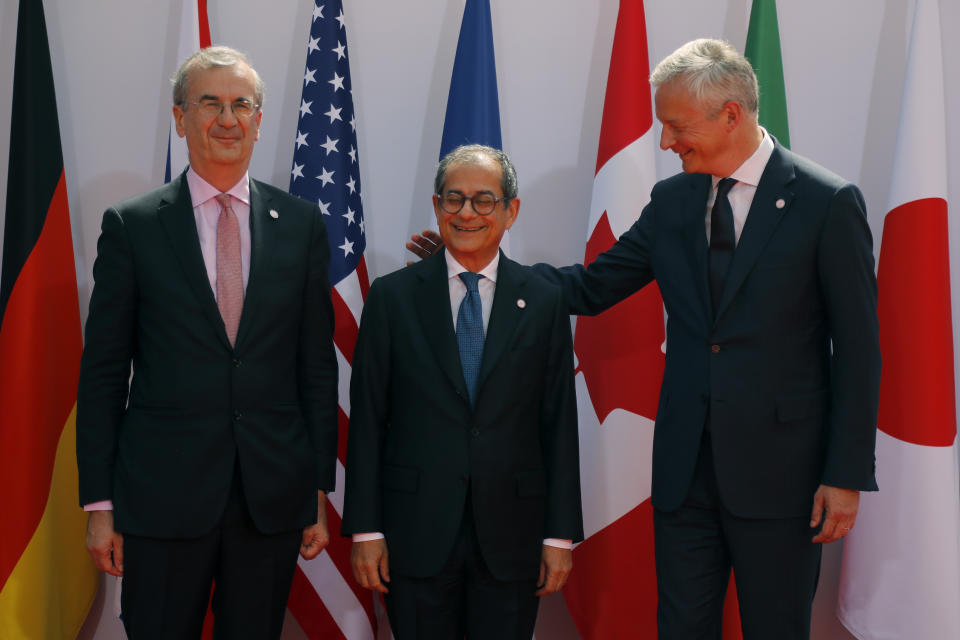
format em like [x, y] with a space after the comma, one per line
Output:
[325, 600]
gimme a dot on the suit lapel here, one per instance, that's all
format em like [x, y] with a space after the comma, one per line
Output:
[176, 216]
[695, 212]
[260, 242]
[505, 315]
[771, 201]
[432, 297]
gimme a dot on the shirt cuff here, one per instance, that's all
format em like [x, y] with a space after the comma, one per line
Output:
[367, 537]
[559, 543]
[103, 505]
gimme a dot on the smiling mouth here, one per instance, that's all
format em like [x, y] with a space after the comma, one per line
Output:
[468, 229]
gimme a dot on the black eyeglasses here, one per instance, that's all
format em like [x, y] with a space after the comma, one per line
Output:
[483, 203]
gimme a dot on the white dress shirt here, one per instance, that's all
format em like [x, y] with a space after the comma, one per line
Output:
[741, 194]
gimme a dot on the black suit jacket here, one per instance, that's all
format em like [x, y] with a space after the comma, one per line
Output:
[166, 456]
[789, 369]
[415, 444]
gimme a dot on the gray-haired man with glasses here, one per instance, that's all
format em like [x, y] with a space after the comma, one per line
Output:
[211, 464]
[463, 483]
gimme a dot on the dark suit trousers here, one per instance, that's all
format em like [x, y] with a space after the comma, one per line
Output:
[463, 601]
[167, 582]
[775, 565]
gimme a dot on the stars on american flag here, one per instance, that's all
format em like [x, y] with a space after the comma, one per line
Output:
[330, 145]
[335, 186]
[333, 114]
[325, 177]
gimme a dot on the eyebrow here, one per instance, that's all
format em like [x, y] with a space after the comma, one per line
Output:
[208, 96]
[482, 191]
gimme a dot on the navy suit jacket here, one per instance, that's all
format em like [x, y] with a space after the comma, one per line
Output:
[788, 371]
[416, 445]
[196, 405]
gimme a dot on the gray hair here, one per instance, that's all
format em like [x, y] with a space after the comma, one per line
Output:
[474, 154]
[209, 58]
[713, 71]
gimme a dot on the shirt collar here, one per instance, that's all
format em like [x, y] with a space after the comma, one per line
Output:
[752, 168]
[201, 190]
[454, 268]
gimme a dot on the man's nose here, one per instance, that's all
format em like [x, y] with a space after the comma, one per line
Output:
[467, 212]
[227, 118]
[666, 139]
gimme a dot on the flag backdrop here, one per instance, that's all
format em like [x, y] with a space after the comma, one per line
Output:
[473, 107]
[763, 51]
[473, 104]
[900, 575]
[47, 580]
[325, 599]
[194, 35]
[612, 590]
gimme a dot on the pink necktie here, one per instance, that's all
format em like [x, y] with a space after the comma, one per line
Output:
[229, 271]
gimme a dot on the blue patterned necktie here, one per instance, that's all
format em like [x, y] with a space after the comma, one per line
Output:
[722, 241]
[470, 332]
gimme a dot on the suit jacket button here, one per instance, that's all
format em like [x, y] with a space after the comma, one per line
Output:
[715, 348]
[237, 415]
[236, 362]
[475, 432]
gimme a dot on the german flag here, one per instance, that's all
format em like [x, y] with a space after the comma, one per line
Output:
[47, 580]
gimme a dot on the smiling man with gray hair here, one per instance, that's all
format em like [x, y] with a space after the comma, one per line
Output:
[212, 462]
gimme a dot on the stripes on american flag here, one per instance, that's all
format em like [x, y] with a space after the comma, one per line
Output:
[325, 600]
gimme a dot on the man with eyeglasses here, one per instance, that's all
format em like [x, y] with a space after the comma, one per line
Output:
[211, 463]
[462, 488]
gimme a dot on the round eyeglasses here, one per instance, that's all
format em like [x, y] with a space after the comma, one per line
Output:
[483, 203]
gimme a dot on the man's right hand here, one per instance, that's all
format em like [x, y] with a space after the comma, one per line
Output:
[426, 244]
[104, 544]
[370, 566]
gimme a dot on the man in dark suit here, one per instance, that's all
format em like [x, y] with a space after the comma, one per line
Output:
[211, 463]
[765, 429]
[462, 489]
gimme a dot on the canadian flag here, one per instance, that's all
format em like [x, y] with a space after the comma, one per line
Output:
[900, 576]
[612, 591]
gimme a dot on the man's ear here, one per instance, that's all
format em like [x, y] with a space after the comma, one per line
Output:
[178, 120]
[513, 210]
[733, 113]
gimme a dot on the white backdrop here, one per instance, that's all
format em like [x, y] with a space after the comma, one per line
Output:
[843, 65]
